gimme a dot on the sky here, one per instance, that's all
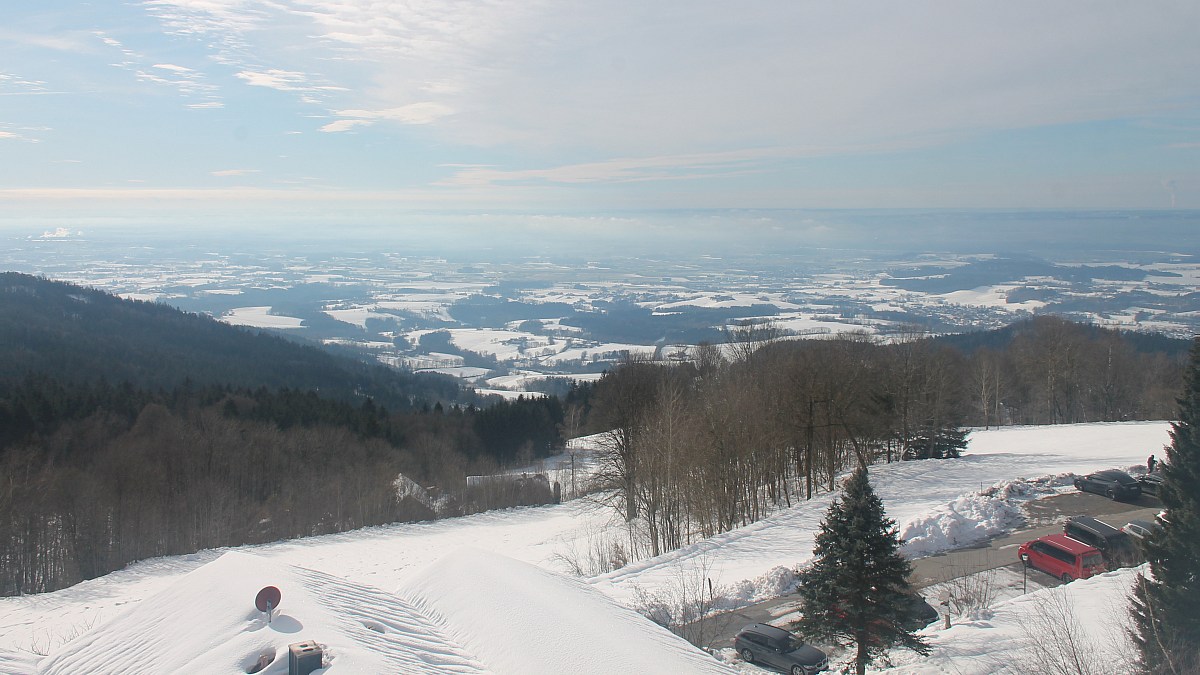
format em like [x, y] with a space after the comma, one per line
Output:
[347, 110]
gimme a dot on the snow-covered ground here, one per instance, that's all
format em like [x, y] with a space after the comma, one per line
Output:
[1033, 633]
[260, 317]
[937, 503]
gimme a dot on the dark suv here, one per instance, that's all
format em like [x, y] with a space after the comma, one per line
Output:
[1110, 483]
[771, 646]
[1150, 482]
[1117, 547]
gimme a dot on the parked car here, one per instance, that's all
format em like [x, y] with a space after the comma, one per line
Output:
[1150, 482]
[776, 647]
[1062, 557]
[1117, 547]
[918, 613]
[1111, 483]
[1140, 529]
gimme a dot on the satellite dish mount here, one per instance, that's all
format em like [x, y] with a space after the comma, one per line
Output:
[267, 600]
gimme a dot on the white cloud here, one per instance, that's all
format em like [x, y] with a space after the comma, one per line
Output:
[276, 79]
[425, 112]
[628, 77]
[661, 167]
[235, 172]
[189, 82]
[66, 41]
[21, 133]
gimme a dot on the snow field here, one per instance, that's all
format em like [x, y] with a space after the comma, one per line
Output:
[1019, 634]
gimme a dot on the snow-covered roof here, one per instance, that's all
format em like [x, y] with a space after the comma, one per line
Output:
[206, 622]
[473, 612]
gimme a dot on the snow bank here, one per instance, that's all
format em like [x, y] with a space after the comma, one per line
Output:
[775, 582]
[521, 619]
[972, 518]
[966, 520]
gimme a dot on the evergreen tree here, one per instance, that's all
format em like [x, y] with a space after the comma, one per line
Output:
[855, 591]
[1166, 606]
[944, 443]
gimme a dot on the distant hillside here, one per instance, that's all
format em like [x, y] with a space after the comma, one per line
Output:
[1001, 338]
[75, 334]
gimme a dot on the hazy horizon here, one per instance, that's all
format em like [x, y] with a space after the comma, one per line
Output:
[1060, 234]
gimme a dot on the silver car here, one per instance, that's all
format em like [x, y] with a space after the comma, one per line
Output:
[775, 647]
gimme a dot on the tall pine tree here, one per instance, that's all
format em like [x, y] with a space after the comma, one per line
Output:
[1166, 606]
[855, 591]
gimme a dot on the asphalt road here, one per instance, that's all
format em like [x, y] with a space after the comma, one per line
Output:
[1044, 516]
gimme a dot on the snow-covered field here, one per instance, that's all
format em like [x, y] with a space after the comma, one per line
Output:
[260, 317]
[937, 503]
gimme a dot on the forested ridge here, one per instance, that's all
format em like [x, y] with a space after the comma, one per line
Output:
[130, 430]
[81, 335]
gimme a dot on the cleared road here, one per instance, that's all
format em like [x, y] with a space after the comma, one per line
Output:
[1045, 516]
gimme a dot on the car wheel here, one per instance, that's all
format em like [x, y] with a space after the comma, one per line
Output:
[747, 656]
[799, 670]
[1066, 578]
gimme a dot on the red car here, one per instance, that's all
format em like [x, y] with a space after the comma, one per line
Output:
[1062, 556]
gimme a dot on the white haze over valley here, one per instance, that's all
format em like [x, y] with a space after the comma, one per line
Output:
[492, 592]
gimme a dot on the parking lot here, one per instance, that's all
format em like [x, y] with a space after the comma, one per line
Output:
[1044, 516]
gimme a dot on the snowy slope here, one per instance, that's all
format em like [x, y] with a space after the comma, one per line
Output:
[472, 612]
[935, 502]
[523, 620]
[207, 622]
[1027, 634]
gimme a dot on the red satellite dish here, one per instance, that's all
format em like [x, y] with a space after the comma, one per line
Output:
[268, 599]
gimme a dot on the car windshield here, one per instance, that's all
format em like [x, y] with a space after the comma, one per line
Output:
[1092, 560]
[790, 643]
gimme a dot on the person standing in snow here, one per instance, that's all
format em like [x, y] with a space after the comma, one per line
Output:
[1150, 464]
